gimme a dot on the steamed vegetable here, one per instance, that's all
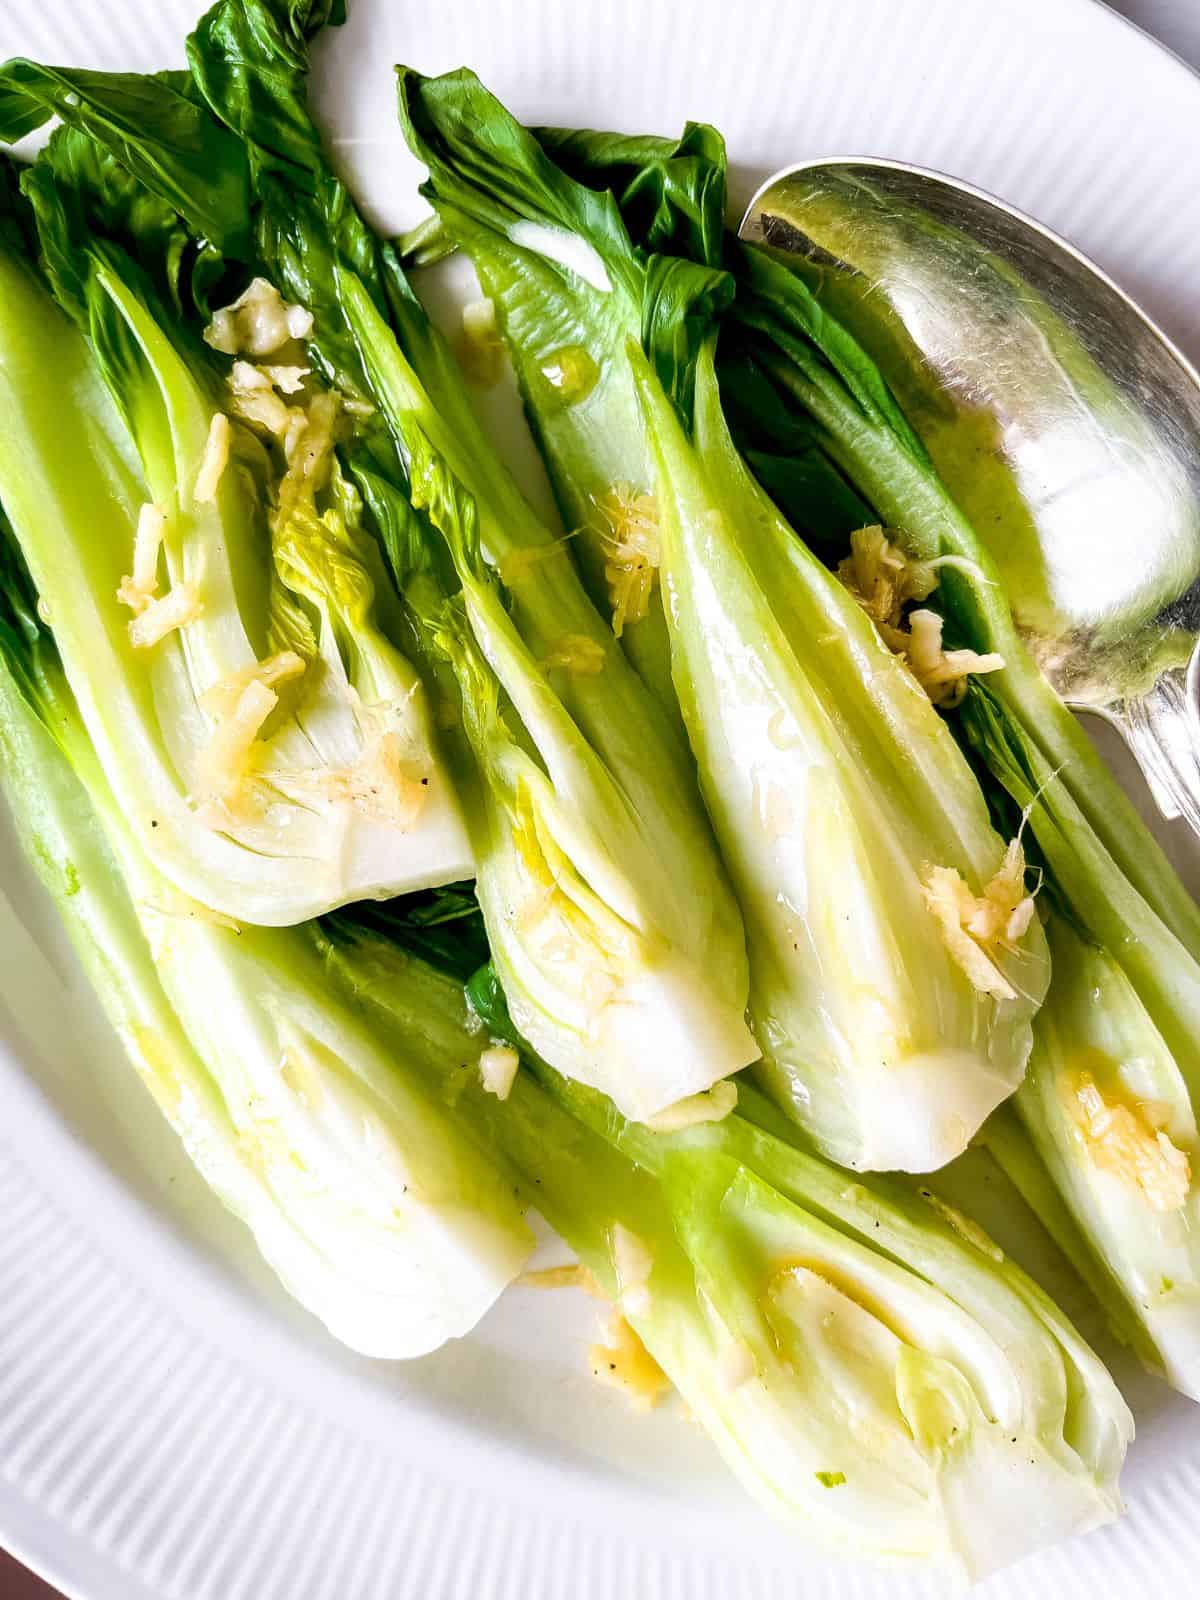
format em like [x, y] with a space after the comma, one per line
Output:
[624, 875]
[887, 1027]
[566, 289]
[1111, 1126]
[294, 516]
[593, 937]
[887, 1382]
[829, 1337]
[606, 903]
[798, 384]
[216, 598]
[896, 958]
[382, 1213]
[1109, 1106]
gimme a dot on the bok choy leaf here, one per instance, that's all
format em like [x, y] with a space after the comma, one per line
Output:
[844, 809]
[603, 892]
[217, 599]
[567, 288]
[878, 1376]
[382, 1214]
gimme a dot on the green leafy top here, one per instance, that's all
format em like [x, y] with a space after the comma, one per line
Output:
[487, 171]
[670, 192]
[154, 128]
[250, 57]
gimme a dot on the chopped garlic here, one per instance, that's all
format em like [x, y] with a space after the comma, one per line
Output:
[297, 1073]
[577, 654]
[628, 528]
[772, 806]
[255, 400]
[498, 1069]
[481, 350]
[941, 673]
[573, 1276]
[1119, 1139]
[975, 927]
[633, 1263]
[225, 759]
[258, 323]
[245, 378]
[882, 578]
[215, 459]
[288, 380]
[308, 447]
[710, 1105]
[138, 589]
[160, 617]
[626, 1364]
[222, 699]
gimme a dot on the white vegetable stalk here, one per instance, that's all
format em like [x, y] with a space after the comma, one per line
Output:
[609, 914]
[871, 1377]
[890, 1025]
[601, 956]
[379, 1214]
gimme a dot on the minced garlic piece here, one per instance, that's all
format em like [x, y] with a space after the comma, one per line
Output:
[225, 759]
[572, 1276]
[215, 459]
[976, 926]
[626, 1364]
[138, 589]
[710, 1105]
[782, 730]
[634, 1263]
[481, 350]
[577, 654]
[308, 447]
[160, 617]
[289, 380]
[258, 323]
[882, 578]
[1119, 1139]
[255, 400]
[628, 528]
[222, 699]
[772, 807]
[498, 1069]
[941, 673]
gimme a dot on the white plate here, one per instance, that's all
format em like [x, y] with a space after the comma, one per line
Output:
[170, 1425]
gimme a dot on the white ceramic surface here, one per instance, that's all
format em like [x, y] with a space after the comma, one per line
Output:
[170, 1425]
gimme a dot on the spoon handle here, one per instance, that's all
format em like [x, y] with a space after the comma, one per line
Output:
[1162, 729]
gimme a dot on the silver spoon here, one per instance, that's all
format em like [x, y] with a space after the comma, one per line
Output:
[1063, 421]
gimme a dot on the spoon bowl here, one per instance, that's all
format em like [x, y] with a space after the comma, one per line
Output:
[1063, 421]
